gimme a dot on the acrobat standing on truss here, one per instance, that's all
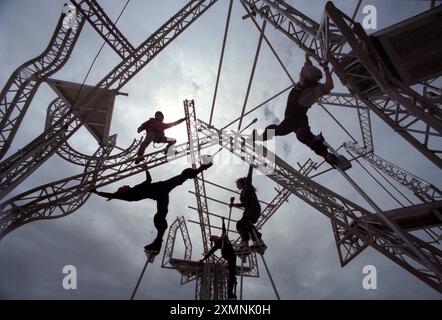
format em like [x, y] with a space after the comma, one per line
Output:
[158, 191]
[303, 95]
[228, 253]
[154, 128]
[252, 211]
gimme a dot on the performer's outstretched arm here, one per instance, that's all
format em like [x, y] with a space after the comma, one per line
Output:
[212, 251]
[307, 59]
[107, 195]
[237, 205]
[328, 85]
[173, 124]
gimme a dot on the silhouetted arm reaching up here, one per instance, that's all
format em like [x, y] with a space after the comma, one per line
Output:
[173, 124]
[148, 177]
[249, 176]
[328, 85]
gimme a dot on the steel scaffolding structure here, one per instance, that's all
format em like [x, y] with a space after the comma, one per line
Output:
[343, 42]
[22, 85]
[410, 236]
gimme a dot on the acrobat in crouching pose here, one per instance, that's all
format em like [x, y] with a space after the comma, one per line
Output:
[154, 128]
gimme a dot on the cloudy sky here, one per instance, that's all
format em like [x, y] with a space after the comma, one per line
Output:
[104, 240]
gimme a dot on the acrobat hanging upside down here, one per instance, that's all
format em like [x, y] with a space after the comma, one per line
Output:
[158, 191]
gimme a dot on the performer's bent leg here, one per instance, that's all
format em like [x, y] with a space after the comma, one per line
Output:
[316, 143]
[150, 136]
[282, 129]
[170, 142]
[243, 228]
[159, 219]
[231, 265]
[186, 174]
[160, 223]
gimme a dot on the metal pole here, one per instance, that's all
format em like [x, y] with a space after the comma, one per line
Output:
[139, 279]
[270, 45]
[356, 10]
[252, 122]
[270, 277]
[242, 276]
[261, 253]
[227, 189]
[221, 59]
[252, 73]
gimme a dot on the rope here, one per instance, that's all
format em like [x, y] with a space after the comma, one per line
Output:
[258, 106]
[221, 60]
[338, 123]
[96, 56]
[378, 182]
[252, 73]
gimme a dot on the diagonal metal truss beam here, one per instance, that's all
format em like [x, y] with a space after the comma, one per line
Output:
[100, 21]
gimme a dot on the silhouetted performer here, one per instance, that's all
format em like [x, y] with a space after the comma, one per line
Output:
[154, 128]
[228, 253]
[158, 191]
[302, 96]
[252, 210]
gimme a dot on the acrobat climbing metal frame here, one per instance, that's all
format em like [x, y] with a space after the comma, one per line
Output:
[344, 43]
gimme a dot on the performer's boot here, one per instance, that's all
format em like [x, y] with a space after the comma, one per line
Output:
[155, 246]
